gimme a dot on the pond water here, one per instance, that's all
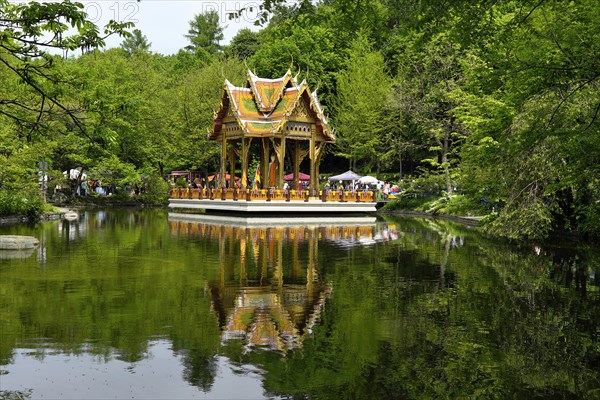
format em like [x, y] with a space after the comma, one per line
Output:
[147, 304]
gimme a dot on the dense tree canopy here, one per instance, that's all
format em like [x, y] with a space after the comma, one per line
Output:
[495, 104]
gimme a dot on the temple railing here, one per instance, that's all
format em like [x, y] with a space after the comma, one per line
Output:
[272, 195]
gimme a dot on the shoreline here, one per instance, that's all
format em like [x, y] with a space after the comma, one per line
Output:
[470, 221]
[466, 220]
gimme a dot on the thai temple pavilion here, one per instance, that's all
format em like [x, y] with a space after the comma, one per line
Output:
[279, 117]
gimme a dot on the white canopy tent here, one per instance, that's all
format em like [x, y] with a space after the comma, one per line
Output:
[346, 176]
[368, 179]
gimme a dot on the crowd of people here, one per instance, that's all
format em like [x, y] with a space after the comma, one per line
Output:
[87, 187]
[382, 188]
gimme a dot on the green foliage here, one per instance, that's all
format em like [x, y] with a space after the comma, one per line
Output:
[136, 42]
[410, 202]
[497, 99]
[464, 205]
[244, 44]
[533, 222]
[195, 98]
[181, 183]
[27, 32]
[205, 33]
[589, 218]
[112, 171]
[360, 114]
[156, 190]
[28, 203]
[298, 43]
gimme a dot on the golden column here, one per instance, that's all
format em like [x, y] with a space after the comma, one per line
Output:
[232, 167]
[222, 173]
[266, 152]
[313, 178]
[245, 151]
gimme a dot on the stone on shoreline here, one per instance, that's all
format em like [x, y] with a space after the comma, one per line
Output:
[16, 242]
[70, 215]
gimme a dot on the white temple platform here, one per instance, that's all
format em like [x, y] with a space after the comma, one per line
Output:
[268, 221]
[274, 206]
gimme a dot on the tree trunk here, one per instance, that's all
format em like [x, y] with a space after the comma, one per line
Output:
[400, 165]
[445, 163]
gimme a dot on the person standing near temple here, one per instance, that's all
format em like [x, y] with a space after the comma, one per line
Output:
[272, 171]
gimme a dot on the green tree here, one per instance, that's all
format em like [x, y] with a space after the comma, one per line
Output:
[428, 75]
[205, 33]
[129, 102]
[300, 45]
[360, 118]
[196, 96]
[136, 42]
[34, 110]
[244, 44]
[29, 31]
[531, 102]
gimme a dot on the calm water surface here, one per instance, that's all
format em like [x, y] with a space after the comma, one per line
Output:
[143, 304]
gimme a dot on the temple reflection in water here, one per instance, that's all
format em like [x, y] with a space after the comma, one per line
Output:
[269, 292]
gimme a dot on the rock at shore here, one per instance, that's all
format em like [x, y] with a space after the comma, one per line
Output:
[70, 215]
[15, 242]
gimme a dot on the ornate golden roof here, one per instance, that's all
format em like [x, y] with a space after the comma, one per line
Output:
[265, 106]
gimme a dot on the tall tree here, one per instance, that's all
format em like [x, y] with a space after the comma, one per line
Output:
[532, 104]
[205, 33]
[136, 42]
[244, 44]
[429, 73]
[360, 115]
[196, 96]
[34, 110]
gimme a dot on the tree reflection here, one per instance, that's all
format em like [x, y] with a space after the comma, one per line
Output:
[199, 369]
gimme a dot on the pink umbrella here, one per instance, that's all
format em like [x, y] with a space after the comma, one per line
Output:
[227, 176]
[302, 177]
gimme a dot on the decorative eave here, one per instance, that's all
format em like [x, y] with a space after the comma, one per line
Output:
[324, 125]
[261, 128]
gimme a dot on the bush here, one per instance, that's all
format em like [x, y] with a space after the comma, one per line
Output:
[588, 219]
[463, 205]
[410, 202]
[531, 221]
[27, 203]
[156, 190]
[181, 183]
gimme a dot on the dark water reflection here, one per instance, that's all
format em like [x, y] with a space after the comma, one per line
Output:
[140, 304]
